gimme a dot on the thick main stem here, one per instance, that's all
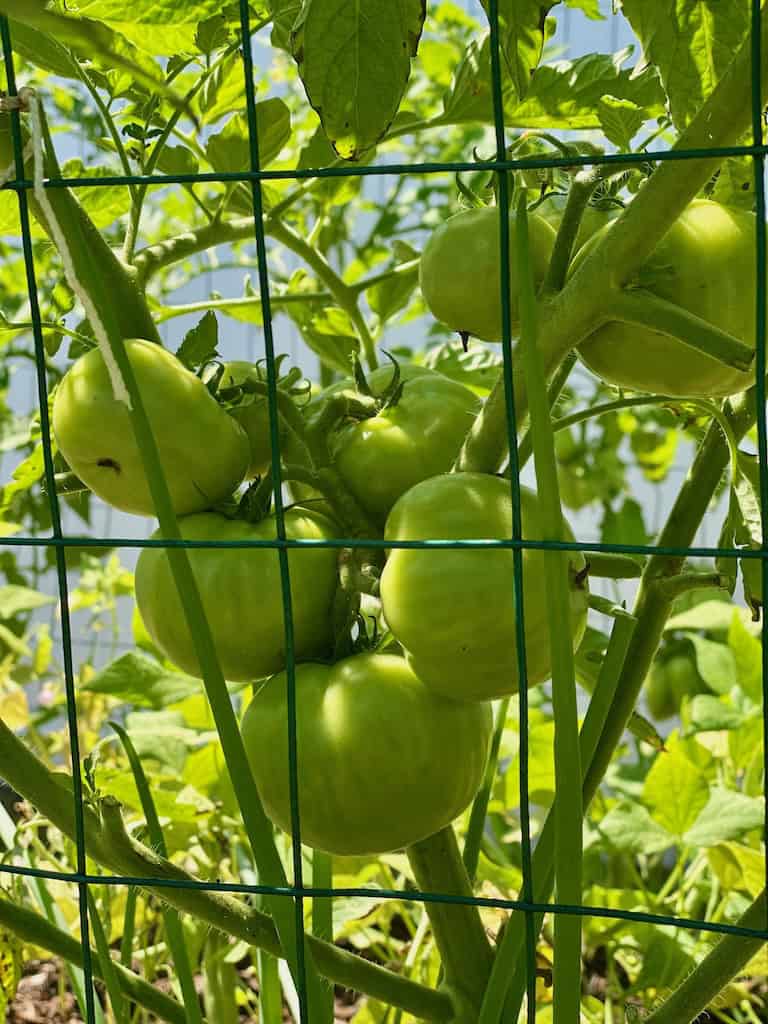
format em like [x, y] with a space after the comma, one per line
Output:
[459, 933]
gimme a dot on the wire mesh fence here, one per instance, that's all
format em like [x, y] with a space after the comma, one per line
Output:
[296, 892]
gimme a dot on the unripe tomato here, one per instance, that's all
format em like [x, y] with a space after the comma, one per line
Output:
[454, 610]
[382, 761]
[669, 682]
[203, 451]
[253, 418]
[706, 264]
[382, 457]
[241, 591]
[460, 273]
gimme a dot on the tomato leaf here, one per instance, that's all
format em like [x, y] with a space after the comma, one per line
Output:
[522, 29]
[229, 150]
[676, 791]
[136, 679]
[727, 815]
[355, 61]
[94, 40]
[629, 828]
[692, 45]
[200, 342]
[565, 94]
[620, 120]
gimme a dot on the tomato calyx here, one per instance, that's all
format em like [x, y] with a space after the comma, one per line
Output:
[256, 385]
[389, 396]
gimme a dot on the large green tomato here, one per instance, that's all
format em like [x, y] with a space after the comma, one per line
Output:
[460, 272]
[382, 457]
[454, 610]
[253, 418]
[241, 592]
[382, 761]
[203, 451]
[706, 264]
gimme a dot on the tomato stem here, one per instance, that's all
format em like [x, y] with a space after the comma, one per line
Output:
[645, 309]
[457, 927]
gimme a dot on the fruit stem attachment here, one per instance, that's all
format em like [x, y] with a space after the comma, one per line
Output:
[464, 948]
[645, 309]
[581, 191]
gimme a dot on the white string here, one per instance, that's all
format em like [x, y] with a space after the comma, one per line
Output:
[119, 389]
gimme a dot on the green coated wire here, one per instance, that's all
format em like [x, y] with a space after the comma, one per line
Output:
[285, 579]
[298, 891]
[431, 167]
[514, 476]
[61, 561]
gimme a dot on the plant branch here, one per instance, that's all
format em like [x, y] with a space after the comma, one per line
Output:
[114, 849]
[644, 309]
[36, 930]
[715, 971]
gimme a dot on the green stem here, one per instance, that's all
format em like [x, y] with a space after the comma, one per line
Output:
[474, 836]
[108, 965]
[568, 806]
[342, 293]
[322, 918]
[644, 309]
[556, 385]
[458, 929]
[715, 971]
[107, 118]
[510, 966]
[35, 930]
[582, 188]
[244, 302]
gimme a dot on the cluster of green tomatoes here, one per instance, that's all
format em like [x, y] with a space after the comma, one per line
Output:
[392, 744]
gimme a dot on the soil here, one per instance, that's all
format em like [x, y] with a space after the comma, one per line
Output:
[42, 997]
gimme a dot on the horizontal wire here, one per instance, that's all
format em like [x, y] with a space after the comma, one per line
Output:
[380, 542]
[407, 895]
[435, 167]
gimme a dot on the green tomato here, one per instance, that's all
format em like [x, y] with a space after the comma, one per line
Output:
[706, 264]
[670, 681]
[594, 218]
[460, 272]
[241, 591]
[253, 418]
[382, 457]
[203, 451]
[382, 761]
[454, 610]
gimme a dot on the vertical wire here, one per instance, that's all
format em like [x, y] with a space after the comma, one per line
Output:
[758, 161]
[274, 432]
[61, 558]
[514, 478]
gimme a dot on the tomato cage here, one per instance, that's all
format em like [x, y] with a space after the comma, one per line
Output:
[276, 909]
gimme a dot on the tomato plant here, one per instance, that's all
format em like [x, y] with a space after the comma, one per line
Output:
[705, 264]
[240, 589]
[204, 452]
[438, 603]
[402, 762]
[347, 207]
[459, 271]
